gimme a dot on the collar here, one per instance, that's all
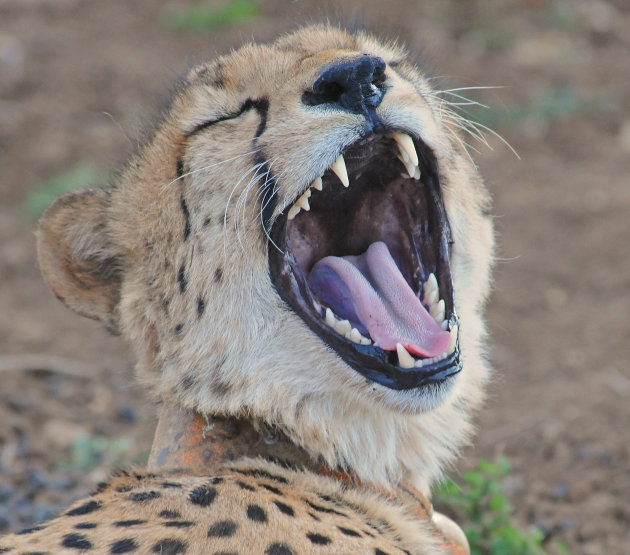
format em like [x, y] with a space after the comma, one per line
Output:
[188, 441]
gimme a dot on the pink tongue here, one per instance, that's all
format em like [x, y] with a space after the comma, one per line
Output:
[382, 300]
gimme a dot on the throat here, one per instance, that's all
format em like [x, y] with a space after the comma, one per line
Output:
[188, 441]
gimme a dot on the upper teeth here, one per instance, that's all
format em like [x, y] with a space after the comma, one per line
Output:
[408, 156]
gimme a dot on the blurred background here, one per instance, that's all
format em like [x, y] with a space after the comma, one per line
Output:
[79, 82]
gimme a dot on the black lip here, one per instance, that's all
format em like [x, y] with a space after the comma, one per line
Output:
[373, 363]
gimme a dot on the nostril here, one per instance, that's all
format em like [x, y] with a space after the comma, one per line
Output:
[356, 85]
[329, 93]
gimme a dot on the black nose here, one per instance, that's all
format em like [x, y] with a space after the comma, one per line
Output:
[356, 85]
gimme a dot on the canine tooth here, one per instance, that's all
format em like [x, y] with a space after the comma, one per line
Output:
[452, 342]
[302, 202]
[405, 360]
[293, 211]
[417, 174]
[339, 168]
[343, 327]
[405, 145]
[354, 335]
[330, 318]
[317, 184]
[408, 167]
[438, 310]
[431, 290]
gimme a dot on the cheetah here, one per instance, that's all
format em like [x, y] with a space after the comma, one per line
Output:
[300, 255]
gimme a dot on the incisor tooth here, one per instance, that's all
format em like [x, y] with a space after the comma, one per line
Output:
[405, 144]
[302, 202]
[405, 360]
[339, 168]
[365, 341]
[343, 327]
[452, 342]
[317, 184]
[330, 318]
[293, 211]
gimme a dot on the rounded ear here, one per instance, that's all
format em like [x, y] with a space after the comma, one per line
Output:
[79, 261]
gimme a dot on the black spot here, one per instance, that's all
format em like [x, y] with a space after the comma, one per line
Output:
[201, 306]
[286, 509]
[323, 509]
[179, 523]
[186, 383]
[243, 485]
[132, 522]
[30, 530]
[203, 496]
[261, 474]
[124, 489]
[167, 485]
[313, 516]
[279, 549]
[170, 514]
[225, 553]
[271, 489]
[486, 212]
[145, 496]
[217, 480]
[186, 212]
[256, 513]
[349, 532]
[169, 546]
[123, 546]
[76, 541]
[222, 529]
[26, 552]
[378, 551]
[100, 488]
[179, 167]
[318, 539]
[181, 279]
[218, 275]
[178, 329]
[219, 388]
[86, 525]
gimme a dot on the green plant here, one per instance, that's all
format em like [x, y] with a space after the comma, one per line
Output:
[480, 506]
[86, 452]
[204, 15]
[79, 177]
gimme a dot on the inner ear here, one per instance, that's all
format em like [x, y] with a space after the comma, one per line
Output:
[77, 257]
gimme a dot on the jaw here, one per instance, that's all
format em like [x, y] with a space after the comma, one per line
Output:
[362, 257]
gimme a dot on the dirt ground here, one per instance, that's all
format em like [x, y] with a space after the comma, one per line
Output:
[80, 79]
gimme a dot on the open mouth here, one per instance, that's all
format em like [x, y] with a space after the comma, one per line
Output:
[363, 259]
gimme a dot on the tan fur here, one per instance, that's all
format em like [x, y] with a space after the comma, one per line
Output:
[191, 289]
[249, 507]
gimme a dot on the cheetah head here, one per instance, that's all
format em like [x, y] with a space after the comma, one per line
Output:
[303, 240]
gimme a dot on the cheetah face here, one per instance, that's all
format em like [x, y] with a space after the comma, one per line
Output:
[304, 234]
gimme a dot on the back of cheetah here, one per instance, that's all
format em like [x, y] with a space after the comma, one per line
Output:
[300, 256]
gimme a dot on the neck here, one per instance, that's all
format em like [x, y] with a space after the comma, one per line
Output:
[187, 440]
